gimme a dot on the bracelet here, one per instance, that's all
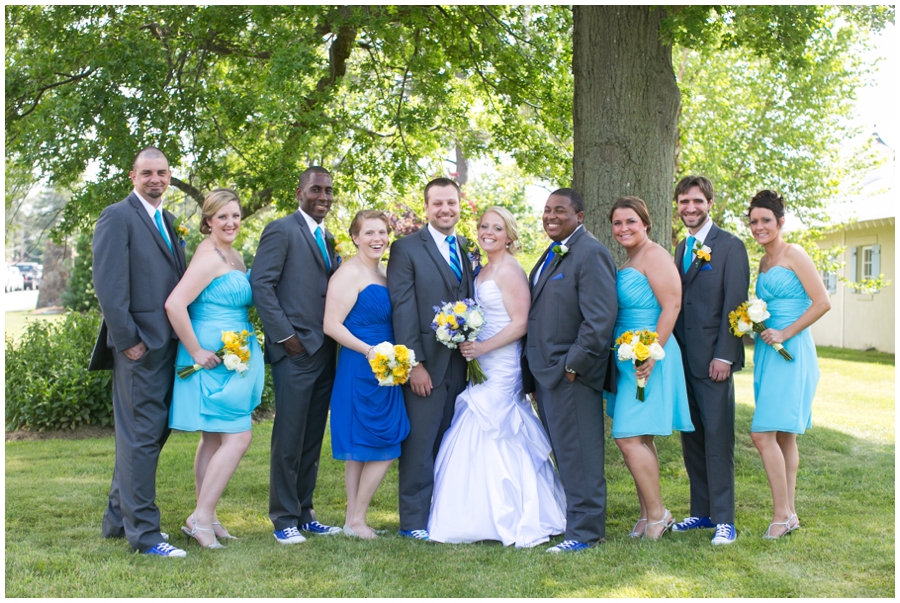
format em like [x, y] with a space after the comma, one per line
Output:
[371, 347]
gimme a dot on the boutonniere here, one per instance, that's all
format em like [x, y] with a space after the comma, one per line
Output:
[560, 251]
[338, 251]
[474, 255]
[181, 231]
[702, 252]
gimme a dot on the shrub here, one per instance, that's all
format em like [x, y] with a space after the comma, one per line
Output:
[48, 385]
[79, 294]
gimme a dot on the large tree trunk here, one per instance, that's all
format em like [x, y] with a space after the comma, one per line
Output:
[625, 116]
[56, 275]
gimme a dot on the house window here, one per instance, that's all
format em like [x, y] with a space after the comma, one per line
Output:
[866, 263]
[830, 280]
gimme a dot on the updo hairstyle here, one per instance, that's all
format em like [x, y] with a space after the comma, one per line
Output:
[509, 222]
[214, 201]
[635, 203]
[368, 214]
[770, 200]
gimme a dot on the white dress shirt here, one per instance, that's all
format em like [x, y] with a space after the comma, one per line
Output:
[151, 211]
[440, 239]
[537, 275]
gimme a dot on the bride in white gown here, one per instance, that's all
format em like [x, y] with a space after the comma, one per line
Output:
[493, 476]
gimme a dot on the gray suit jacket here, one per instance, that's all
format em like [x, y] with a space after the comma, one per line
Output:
[708, 293]
[572, 316]
[419, 278]
[134, 273]
[289, 281]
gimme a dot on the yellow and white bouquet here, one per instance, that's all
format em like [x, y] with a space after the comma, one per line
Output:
[751, 316]
[460, 321]
[392, 363]
[235, 354]
[639, 346]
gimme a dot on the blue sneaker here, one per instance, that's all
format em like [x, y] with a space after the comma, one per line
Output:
[568, 546]
[165, 550]
[725, 534]
[314, 527]
[693, 523]
[289, 535]
[414, 534]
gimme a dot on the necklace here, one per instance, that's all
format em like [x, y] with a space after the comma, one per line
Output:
[222, 255]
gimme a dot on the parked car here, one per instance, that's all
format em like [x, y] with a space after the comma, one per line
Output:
[31, 273]
[14, 280]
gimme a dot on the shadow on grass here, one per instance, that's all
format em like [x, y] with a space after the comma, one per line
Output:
[866, 356]
[56, 492]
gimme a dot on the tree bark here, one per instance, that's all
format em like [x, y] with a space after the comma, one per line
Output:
[56, 275]
[625, 116]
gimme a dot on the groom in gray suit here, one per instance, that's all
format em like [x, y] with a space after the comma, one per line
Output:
[137, 263]
[294, 260]
[709, 291]
[570, 327]
[426, 268]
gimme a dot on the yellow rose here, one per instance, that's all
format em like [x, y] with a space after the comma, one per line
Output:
[442, 319]
[401, 352]
[459, 308]
[641, 352]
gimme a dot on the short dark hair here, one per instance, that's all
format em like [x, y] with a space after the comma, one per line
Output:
[634, 203]
[572, 195]
[304, 177]
[766, 199]
[441, 182]
[701, 182]
[151, 152]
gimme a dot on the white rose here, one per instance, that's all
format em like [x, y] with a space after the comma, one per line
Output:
[443, 335]
[657, 352]
[232, 362]
[412, 358]
[241, 368]
[386, 382]
[385, 349]
[744, 327]
[757, 310]
[563, 250]
[476, 320]
[625, 351]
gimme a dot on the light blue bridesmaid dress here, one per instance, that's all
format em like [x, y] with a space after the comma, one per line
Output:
[665, 405]
[368, 421]
[784, 390]
[219, 400]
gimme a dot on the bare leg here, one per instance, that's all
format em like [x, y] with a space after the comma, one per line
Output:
[788, 444]
[352, 471]
[774, 463]
[644, 467]
[208, 446]
[217, 473]
[373, 473]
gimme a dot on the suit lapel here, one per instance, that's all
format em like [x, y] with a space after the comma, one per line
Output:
[154, 231]
[180, 262]
[554, 267]
[311, 241]
[443, 267]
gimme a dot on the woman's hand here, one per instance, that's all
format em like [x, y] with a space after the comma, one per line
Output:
[643, 371]
[771, 336]
[471, 349]
[206, 359]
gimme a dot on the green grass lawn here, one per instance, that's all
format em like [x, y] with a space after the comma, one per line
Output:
[16, 322]
[56, 492]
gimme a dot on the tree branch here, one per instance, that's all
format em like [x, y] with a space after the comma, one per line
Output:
[188, 189]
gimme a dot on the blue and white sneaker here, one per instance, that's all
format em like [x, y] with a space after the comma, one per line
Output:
[414, 534]
[725, 534]
[289, 535]
[568, 546]
[164, 549]
[314, 527]
[693, 523]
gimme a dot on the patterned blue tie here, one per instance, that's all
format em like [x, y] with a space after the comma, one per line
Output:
[320, 241]
[454, 258]
[162, 229]
[688, 253]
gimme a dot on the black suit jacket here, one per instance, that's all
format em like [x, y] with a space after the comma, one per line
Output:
[134, 273]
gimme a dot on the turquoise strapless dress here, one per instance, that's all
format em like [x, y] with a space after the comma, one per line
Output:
[219, 400]
[368, 421]
[665, 405]
[783, 390]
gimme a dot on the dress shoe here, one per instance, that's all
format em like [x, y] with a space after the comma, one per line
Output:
[638, 533]
[164, 549]
[568, 546]
[192, 533]
[223, 533]
[788, 528]
[693, 523]
[348, 531]
[314, 527]
[725, 534]
[414, 534]
[666, 522]
[289, 535]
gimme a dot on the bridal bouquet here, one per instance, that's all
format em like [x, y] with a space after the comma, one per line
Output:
[235, 354]
[460, 321]
[639, 346]
[751, 316]
[392, 363]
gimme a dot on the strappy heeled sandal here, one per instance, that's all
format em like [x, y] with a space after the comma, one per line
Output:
[667, 521]
[634, 531]
[193, 534]
[787, 527]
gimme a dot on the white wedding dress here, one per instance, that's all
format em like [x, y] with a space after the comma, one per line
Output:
[493, 479]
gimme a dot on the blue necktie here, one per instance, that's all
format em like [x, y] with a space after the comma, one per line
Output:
[550, 256]
[162, 229]
[320, 241]
[454, 258]
[688, 253]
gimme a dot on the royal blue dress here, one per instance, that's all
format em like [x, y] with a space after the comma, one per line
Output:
[665, 405]
[368, 421]
[219, 400]
[783, 390]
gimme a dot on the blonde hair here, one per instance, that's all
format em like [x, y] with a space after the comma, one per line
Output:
[214, 201]
[509, 222]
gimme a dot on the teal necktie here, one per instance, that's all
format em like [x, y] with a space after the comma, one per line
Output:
[162, 229]
[320, 241]
[454, 258]
[688, 253]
